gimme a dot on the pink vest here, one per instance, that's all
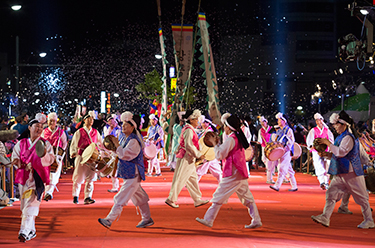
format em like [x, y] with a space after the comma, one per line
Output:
[84, 140]
[53, 138]
[29, 156]
[181, 152]
[317, 134]
[266, 136]
[237, 158]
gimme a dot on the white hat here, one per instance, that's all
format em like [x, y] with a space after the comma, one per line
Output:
[52, 116]
[318, 116]
[39, 118]
[152, 117]
[261, 119]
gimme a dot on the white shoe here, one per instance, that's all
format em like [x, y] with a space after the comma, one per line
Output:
[321, 220]
[254, 225]
[200, 203]
[171, 203]
[344, 211]
[366, 224]
[204, 222]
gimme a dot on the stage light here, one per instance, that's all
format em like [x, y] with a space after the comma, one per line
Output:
[341, 71]
[42, 55]
[158, 56]
[299, 108]
[116, 95]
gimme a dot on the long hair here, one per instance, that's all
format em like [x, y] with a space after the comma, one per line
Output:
[235, 122]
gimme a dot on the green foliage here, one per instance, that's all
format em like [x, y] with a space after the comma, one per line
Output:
[151, 88]
[189, 97]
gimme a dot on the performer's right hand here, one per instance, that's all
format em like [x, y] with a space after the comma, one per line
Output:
[201, 157]
[15, 162]
[73, 155]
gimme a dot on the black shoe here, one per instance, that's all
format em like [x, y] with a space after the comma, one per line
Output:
[157, 175]
[22, 237]
[274, 188]
[47, 197]
[172, 169]
[88, 200]
[75, 199]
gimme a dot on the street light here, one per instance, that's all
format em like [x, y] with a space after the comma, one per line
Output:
[42, 55]
[16, 7]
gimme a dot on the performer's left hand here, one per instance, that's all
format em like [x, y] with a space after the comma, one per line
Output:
[325, 154]
[115, 141]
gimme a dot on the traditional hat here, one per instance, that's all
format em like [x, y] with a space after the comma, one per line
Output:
[192, 114]
[153, 117]
[262, 119]
[318, 116]
[39, 118]
[52, 116]
[342, 117]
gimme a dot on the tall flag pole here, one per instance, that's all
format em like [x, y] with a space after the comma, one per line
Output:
[164, 101]
[209, 74]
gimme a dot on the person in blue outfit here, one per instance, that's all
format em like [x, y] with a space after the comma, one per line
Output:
[131, 169]
[346, 169]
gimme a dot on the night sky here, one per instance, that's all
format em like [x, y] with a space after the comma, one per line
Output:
[115, 42]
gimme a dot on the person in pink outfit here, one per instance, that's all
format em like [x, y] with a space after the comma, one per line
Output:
[235, 175]
[31, 175]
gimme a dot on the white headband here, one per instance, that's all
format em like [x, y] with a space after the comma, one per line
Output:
[127, 116]
[336, 118]
[280, 116]
[195, 115]
[52, 116]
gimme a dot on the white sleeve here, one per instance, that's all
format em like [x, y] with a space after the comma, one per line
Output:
[260, 140]
[189, 146]
[48, 159]
[130, 151]
[291, 140]
[16, 153]
[64, 141]
[310, 138]
[345, 147]
[222, 151]
[74, 143]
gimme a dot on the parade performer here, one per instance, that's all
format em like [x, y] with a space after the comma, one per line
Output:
[185, 173]
[214, 165]
[57, 138]
[320, 164]
[131, 169]
[346, 169]
[177, 128]
[235, 176]
[264, 136]
[112, 129]
[31, 175]
[82, 138]
[285, 136]
[155, 135]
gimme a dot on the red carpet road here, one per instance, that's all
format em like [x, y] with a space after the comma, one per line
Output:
[286, 218]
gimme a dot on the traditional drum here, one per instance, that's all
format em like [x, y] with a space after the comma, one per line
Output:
[297, 151]
[106, 166]
[149, 152]
[207, 151]
[55, 165]
[91, 156]
[40, 148]
[274, 151]
[249, 153]
[206, 138]
[319, 147]
[107, 142]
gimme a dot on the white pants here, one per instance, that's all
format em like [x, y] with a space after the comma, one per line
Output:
[115, 183]
[29, 205]
[228, 186]
[270, 165]
[352, 184]
[81, 174]
[154, 163]
[285, 167]
[320, 165]
[172, 161]
[214, 167]
[185, 174]
[54, 180]
[130, 190]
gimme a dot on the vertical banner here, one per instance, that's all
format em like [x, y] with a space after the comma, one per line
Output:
[183, 48]
[164, 101]
[209, 73]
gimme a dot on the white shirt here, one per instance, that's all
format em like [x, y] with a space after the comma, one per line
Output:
[222, 151]
[77, 136]
[63, 139]
[311, 135]
[130, 151]
[189, 146]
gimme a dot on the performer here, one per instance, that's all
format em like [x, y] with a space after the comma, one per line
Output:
[188, 152]
[131, 169]
[177, 128]
[264, 136]
[82, 138]
[285, 136]
[31, 175]
[348, 175]
[214, 165]
[112, 129]
[155, 135]
[57, 138]
[320, 164]
[234, 173]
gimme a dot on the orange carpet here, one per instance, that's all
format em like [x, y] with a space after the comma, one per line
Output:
[285, 216]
